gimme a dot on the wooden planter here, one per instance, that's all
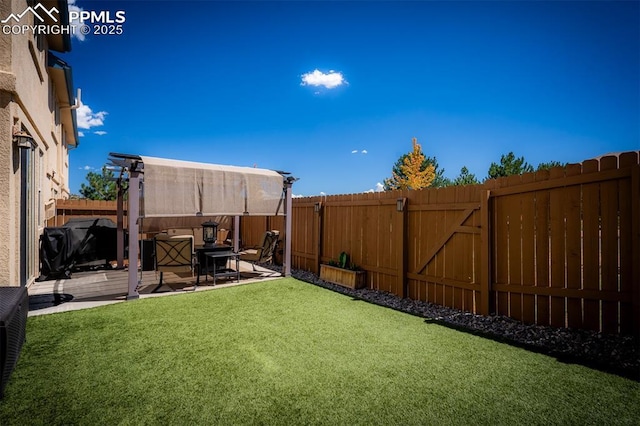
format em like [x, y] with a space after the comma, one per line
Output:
[343, 277]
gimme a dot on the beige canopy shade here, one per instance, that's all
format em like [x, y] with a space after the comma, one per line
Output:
[175, 188]
[162, 188]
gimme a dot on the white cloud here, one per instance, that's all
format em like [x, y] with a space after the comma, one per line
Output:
[379, 188]
[100, 132]
[75, 23]
[355, 151]
[88, 119]
[297, 196]
[86, 168]
[317, 78]
[364, 151]
[81, 134]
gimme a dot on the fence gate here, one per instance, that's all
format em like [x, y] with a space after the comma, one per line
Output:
[444, 246]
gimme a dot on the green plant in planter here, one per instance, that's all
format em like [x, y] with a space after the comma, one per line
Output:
[344, 263]
[343, 260]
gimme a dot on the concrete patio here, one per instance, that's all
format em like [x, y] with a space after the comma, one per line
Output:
[103, 287]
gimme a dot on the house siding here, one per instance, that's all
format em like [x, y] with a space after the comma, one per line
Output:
[28, 102]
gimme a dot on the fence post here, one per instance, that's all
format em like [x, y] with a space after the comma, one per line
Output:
[635, 246]
[318, 210]
[401, 208]
[485, 253]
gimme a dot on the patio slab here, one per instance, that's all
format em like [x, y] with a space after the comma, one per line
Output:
[98, 288]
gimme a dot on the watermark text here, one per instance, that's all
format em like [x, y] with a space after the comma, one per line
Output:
[47, 21]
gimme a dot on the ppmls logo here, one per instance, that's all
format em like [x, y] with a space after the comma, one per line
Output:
[44, 10]
[101, 22]
[18, 23]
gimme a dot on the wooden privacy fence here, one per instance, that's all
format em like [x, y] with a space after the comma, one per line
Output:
[559, 247]
[69, 209]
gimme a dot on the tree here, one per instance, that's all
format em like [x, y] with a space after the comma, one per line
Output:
[413, 170]
[549, 165]
[439, 181]
[465, 178]
[102, 186]
[509, 165]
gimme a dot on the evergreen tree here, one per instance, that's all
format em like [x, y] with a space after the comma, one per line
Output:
[465, 178]
[415, 171]
[102, 186]
[549, 165]
[509, 165]
[439, 181]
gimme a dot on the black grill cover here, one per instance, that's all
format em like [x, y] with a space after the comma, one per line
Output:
[56, 253]
[79, 244]
[94, 241]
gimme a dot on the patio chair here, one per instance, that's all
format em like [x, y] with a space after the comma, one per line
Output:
[223, 235]
[264, 252]
[173, 253]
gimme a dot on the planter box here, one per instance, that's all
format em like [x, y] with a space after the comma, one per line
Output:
[343, 277]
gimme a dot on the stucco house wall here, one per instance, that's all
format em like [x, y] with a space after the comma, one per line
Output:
[34, 98]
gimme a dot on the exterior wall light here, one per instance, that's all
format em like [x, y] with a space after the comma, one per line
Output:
[23, 140]
[400, 203]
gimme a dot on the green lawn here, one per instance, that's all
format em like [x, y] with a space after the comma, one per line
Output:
[287, 352]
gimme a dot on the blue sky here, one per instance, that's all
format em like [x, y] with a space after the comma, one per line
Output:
[235, 83]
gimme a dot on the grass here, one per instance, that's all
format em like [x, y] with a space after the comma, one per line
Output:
[287, 352]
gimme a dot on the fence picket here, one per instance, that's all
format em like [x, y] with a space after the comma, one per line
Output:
[573, 246]
[515, 250]
[527, 263]
[500, 252]
[609, 247]
[557, 208]
[628, 159]
[543, 270]
[591, 245]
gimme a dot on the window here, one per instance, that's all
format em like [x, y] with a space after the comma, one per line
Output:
[39, 175]
[32, 236]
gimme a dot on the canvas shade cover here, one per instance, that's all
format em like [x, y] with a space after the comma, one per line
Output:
[175, 188]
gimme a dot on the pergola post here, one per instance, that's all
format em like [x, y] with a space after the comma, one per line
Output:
[236, 234]
[133, 213]
[120, 226]
[288, 183]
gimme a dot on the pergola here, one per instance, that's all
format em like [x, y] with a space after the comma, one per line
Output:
[166, 188]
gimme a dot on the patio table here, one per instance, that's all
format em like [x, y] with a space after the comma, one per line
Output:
[223, 272]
